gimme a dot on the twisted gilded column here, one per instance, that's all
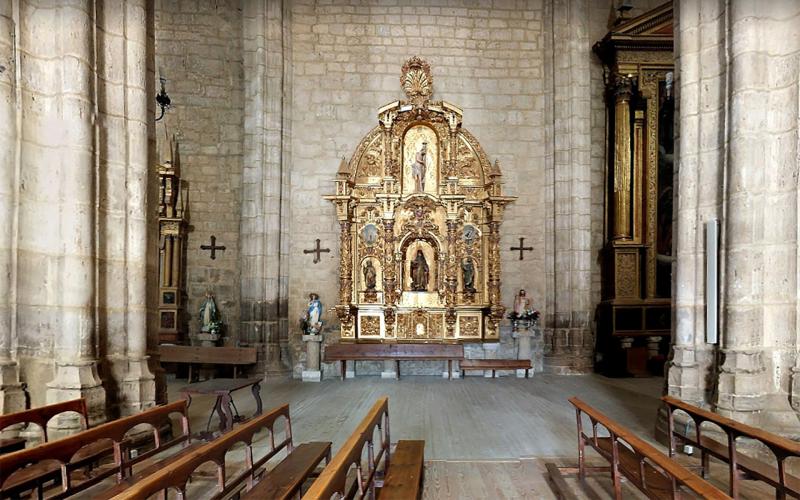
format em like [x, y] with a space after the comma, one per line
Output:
[12, 397]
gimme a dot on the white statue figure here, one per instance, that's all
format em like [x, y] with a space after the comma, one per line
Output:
[209, 320]
[420, 166]
[313, 316]
[522, 304]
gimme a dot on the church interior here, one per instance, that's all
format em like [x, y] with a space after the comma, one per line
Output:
[440, 249]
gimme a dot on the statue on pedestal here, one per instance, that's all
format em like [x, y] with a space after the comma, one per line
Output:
[312, 320]
[522, 303]
[420, 166]
[209, 316]
[419, 273]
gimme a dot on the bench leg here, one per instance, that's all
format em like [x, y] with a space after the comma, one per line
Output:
[397, 368]
[494, 372]
[450, 369]
[190, 374]
[526, 373]
[462, 374]
[344, 368]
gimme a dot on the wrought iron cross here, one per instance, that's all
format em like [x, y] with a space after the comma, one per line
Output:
[522, 248]
[213, 247]
[317, 251]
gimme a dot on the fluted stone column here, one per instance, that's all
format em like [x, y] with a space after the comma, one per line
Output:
[138, 388]
[62, 36]
[738, 88]
[12, 398]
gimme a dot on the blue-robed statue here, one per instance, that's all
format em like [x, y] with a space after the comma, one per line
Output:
[313, 317]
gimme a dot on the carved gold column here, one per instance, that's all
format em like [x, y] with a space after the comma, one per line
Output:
[622, 158]
[450, 278]
[345, 279]
[389, 276]
[496, 308]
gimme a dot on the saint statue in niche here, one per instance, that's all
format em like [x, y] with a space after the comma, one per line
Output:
[369, 276]
[468, 275]
[419, 273]
[420, 166]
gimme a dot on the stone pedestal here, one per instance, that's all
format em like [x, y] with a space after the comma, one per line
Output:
[12, 396]
[78, 379]
[524, 335]
[389, 370]
[206, 339]
[312, 372]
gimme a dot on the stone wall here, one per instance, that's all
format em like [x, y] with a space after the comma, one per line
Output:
[198, 48]
[490, 60]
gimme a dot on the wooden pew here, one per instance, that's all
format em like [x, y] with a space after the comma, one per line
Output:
[783, 448]
[655, 474]
[24, 470]
[284, 480]
[495, 364]
[39, 416]
[394, 352]
[236, 356]
[400, 477]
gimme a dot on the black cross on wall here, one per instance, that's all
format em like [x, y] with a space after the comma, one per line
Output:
[213, 247]
[522, 249]
[317, 251]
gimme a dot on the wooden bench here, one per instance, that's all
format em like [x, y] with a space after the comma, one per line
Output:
[400, 477]
[63, 459]
[284, 481]
[39, 416]
[394, 352]
[495, 364]
[655, 474]
[236, 356]
[781, 447]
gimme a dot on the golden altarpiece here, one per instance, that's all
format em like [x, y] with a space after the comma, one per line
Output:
[635, 313]
[419, 206]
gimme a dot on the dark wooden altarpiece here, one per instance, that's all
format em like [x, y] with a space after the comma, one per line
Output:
[634, 317]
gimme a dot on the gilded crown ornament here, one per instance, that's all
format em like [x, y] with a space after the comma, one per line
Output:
[416, 79]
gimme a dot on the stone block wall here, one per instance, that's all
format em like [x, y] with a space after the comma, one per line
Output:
[198, 48]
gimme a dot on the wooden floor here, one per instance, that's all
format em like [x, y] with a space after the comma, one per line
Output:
[471, 419]
[484, 438]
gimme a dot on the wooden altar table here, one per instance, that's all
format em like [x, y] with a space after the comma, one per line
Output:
[396, 353]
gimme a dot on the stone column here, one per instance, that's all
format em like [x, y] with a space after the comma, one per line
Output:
[264, 183]
[760, 289]
[567, 323]
[524, 336]
[12, 398]
[138, 388]
[73, 112]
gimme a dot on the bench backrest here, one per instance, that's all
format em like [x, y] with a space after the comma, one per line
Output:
[392, 351]
[176, 474]
[780, 446]
[333, 478]
[198, 354]
[40, 416]
[620, 436]
[64, 450]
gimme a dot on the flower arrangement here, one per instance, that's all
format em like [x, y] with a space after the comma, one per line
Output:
[527, 315]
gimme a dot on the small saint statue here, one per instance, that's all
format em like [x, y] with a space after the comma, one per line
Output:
[312, 321]
[419, 273]
[522, 304]
[420, 166]
[209, 321]
[468, 275]
[370, 276]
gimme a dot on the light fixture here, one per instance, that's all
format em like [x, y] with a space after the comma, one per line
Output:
[162, 99]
